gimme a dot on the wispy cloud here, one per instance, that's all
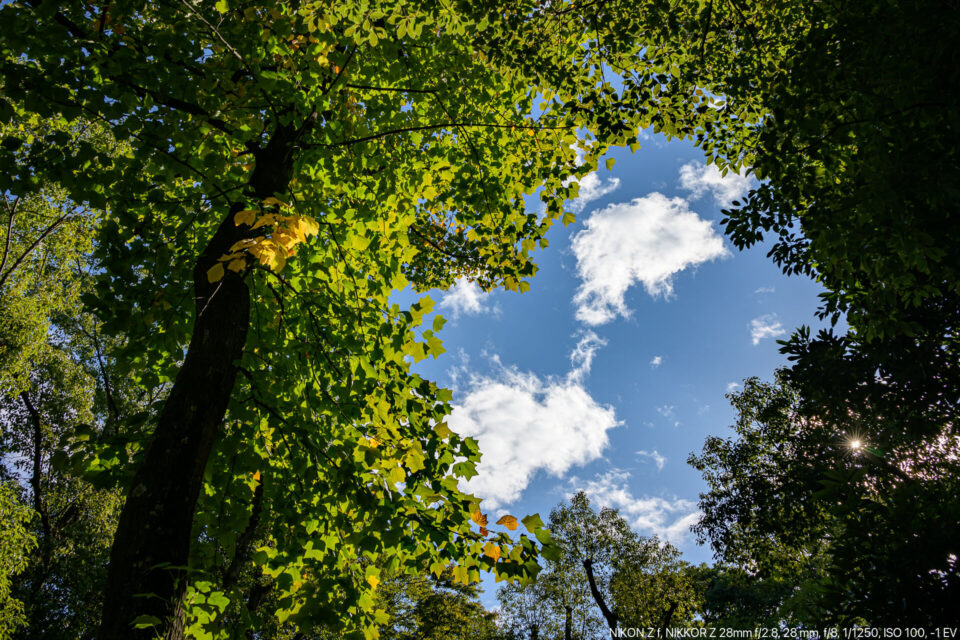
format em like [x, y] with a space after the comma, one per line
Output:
[654, 455]
[592, 187]
[701, 179]
[766, 326]
[669, 519]
[656, 362]
[762, 290]
[581, 358]
[466, 298]
[525, 423]
[732, 386]
[646, 240]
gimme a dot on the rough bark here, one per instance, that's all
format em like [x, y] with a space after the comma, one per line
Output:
[152, 543]
[608, 615]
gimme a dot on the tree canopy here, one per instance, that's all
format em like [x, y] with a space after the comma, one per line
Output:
[210, 204]
[272, 172]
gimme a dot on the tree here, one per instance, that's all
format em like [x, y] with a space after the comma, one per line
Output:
[57, 381]
[634, 581]
[857, 157]
[288, 166]
[15, 542]
[433, 608]
[799, 506]
[529, 611]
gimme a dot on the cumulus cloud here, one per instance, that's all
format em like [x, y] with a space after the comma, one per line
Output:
[766, 326]
[646, 240]
[669, 519]
[656, 362]
[701, 179]
[525, 424]
[465, 298]
[654, 455]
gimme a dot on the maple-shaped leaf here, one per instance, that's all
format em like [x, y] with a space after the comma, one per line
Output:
[509, 522]
[484, 532]
[492, 551]
[478, 517]
[215, 273]
[247, 216]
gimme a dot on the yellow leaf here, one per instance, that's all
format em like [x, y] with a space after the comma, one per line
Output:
[373, 581]
[237, 264]
[479, 518]
[247, 216]
[509, 522]
[443, 430]
[491, 551]
[286, 239]
[256, 475]
[268, 219]
[307, 226]
[272, 200]
[215, 273]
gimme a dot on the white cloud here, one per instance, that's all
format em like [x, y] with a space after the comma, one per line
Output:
[669, 519]
[656, 362]
[581, 358]
[732, 386]
[666, 410]
[592, 188]
[654, 455]
[525, 424]
[466, 298]
[701, 179]
[766, 326]
[760, 290]
[646, 240]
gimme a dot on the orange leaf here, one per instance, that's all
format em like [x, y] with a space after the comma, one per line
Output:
[508, 521]
[492, 551]
[479, 518]
[484, 532]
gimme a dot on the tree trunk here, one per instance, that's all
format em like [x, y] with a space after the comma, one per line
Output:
[567, 623]
[668, 617]
[147, 573]
[608, 615]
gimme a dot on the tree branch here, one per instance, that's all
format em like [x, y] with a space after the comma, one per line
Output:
[26, 252]
[608, 615]
[35, 477]
[242, 550]
[13, 213]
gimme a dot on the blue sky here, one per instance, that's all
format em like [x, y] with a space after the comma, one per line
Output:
[613, 368]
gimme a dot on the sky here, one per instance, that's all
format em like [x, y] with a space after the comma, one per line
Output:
[614, 366]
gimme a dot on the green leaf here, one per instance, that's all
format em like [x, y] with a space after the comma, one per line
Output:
[533, 523]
